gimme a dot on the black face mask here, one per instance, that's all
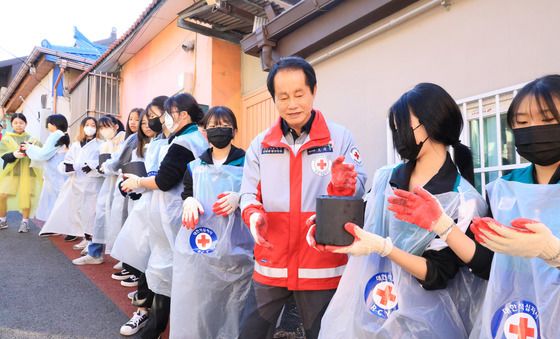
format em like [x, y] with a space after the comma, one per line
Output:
[409, 150]
[155, 124]
[220, 137]
[539, 144]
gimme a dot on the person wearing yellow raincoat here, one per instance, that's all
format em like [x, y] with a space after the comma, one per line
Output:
[20, 184]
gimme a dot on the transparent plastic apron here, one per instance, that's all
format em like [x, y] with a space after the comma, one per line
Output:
[166, 211]
[132, 243]
[378, 299]
[212, 264]
[523, 296]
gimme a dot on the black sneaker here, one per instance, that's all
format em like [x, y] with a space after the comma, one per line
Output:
[131, 281]
[122, 275]
[70, 238]
[135, 323]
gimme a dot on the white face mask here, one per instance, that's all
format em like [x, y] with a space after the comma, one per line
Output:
[90, 131]
[168, 122]
[107, 133]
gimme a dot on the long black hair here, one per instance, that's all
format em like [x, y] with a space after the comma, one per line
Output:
[143, 139]
[59, 121]
[544, 90]
[185, 102]
[441, 117]
[137, 111]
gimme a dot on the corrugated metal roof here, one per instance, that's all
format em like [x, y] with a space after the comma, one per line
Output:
[231, 17]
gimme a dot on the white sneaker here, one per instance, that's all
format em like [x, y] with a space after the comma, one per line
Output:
[87, 260]
[81, 245]
[23, 227]
[3, 224]
[118, 266]
[135, 323]
[131, 295]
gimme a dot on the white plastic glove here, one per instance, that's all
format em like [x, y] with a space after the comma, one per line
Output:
[527, 238]
[259, 227]
[364, 243]
[191, 210]
[131, 183]
[18, 154]
[310, 237]
[226, 204]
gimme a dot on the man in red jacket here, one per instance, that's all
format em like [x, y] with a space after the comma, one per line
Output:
[286, 168]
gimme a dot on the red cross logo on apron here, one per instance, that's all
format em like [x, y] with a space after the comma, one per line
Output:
[522, 330]
[386, 295]
[203, 240]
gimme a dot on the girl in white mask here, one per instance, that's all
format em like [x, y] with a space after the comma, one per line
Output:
[72, 213]
[112, 132]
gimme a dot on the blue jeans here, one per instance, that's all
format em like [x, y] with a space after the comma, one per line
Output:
[96, 250]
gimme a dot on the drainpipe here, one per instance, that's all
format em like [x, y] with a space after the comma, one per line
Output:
[62, 67]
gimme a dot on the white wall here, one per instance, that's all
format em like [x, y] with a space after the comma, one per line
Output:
[33, 111]
[475, 47]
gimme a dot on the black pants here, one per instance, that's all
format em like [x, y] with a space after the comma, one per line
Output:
[144, 293]
[266, 302]
[158, 319]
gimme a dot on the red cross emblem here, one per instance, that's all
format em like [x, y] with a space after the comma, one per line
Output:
[386, 295]
[322, 164]
[523, 330]
[203, 240]
[355, 155]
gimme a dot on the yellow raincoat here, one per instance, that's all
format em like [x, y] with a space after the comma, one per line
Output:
[21, 183]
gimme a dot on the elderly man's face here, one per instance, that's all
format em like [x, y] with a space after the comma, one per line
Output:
[293, 98]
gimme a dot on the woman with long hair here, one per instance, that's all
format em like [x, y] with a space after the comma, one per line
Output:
[112, 133]
[401, 279]
[523, 295]
[186, 143]
[73, 213]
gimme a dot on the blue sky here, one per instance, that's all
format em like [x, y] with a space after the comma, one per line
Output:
[25, 23]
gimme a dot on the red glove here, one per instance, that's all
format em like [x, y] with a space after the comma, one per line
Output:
[520, 225]
[421, 208]
[479, 224]
[310, 238]
[343, 178]
[255, 217]
[226, 203]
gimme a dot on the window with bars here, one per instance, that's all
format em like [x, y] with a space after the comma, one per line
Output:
[103, 95]
[489, 136]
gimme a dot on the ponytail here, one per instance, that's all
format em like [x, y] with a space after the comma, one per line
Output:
[64, 140]
[464, 161]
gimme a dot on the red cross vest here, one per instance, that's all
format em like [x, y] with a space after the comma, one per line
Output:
[285, 185]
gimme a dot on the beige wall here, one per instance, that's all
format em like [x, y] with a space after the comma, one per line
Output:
[475, 47]
[252, 75]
